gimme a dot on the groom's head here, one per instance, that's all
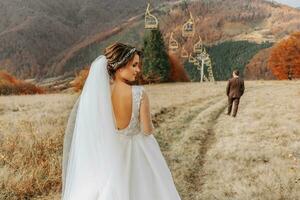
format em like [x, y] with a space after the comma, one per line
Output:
[235, 73]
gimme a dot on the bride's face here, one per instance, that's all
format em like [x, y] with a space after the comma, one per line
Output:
[130, 71]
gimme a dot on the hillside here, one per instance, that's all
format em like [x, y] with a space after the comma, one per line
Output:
[215, 22]
[70, 34]
[33, 33]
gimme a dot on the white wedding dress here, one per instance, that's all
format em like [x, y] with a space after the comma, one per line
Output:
[145, 172]
[127, 165]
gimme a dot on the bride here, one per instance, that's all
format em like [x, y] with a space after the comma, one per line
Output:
[110, 152]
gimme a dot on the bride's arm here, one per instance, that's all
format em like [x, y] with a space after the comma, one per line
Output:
[145, 115]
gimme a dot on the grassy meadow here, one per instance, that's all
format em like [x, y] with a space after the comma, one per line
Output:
[211, 155]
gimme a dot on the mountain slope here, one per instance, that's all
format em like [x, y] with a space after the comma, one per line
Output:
[216, 22]
[54, 38]
[32, 32]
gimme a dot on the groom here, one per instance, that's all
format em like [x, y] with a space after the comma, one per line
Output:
[234, 90]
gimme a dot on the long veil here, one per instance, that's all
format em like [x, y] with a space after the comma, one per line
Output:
[91, 147]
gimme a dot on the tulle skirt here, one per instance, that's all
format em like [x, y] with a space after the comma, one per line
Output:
[143, 174]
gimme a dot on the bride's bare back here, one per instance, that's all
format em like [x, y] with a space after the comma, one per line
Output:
[122, 101]
[122, 104]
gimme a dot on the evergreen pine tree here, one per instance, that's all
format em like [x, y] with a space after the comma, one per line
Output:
[156, 66]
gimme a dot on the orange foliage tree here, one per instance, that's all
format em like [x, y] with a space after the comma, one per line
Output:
[10, 85]
[285, 58]
[80, 79]
[177, 72]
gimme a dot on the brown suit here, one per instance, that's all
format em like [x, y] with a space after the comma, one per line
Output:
[234, 90]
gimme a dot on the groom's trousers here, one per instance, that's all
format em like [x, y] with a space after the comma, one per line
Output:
[235, 102]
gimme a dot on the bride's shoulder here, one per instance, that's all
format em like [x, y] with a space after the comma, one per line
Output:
[140, 92]
[139, 88]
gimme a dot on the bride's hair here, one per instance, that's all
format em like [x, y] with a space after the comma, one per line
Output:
[118, 55]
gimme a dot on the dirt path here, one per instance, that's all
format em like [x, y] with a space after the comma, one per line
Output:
[185, 133]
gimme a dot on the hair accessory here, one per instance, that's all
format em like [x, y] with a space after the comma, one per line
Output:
[114, 65]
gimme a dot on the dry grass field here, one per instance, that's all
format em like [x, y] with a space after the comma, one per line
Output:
[211, 155]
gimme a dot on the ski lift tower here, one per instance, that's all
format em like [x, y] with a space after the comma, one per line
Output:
[203, 57]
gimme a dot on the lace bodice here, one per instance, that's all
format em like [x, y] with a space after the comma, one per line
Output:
[133, 127]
